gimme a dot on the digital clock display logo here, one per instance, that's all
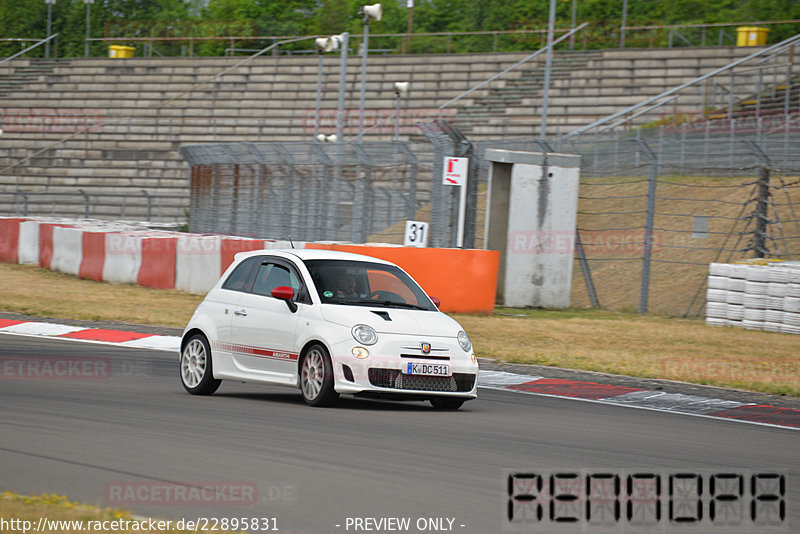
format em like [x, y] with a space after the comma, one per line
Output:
[626, 500]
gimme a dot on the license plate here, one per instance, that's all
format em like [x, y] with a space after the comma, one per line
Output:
[430, 369]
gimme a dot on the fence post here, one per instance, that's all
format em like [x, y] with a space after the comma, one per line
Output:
[85, 203]
[644, 292]
[149, 204]
[760, 237]
[587, 274]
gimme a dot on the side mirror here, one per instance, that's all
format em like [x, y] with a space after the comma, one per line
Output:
[285, 294]
[436, 302]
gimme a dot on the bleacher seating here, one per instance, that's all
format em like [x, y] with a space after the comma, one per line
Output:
[137, 118]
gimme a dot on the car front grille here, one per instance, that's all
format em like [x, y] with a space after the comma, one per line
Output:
[393, 378]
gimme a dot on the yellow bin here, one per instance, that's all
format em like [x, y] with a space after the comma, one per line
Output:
[751, 36]
[119, 51]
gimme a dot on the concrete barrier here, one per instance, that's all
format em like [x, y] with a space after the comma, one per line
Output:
[464, 280]
[9, 240]
[123, 258]
[29, 242]
[93, 258]
[67, 250]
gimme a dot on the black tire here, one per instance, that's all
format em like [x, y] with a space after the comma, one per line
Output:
[196, 368]
[316, 377]
[447, 403]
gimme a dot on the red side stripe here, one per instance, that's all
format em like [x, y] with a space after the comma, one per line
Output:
[9, 322]
[573, 388]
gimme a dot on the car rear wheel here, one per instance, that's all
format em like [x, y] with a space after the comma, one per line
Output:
[197, 374]
[316, 377]
[447, 403]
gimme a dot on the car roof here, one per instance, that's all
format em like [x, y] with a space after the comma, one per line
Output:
[311, 254]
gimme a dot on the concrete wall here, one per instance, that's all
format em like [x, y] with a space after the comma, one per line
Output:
[533, 213]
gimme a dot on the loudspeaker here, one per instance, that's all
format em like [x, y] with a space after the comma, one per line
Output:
[374, 12]
[401, 88]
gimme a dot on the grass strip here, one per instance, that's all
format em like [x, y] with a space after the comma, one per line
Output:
[56, 514]
[629, 344]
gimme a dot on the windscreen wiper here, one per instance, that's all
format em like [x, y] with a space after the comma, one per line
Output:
[391, 303]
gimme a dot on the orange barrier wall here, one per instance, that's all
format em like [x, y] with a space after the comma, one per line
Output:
[464, 280]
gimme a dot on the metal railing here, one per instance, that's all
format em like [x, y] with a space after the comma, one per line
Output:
[22, 52]
[595, 35]
[93, 205]
[502, 73]
[669, 96]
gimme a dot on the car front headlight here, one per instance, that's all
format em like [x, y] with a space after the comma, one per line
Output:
[463, 340]
[364, 334]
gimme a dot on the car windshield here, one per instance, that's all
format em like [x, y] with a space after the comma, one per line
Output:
[362, 283]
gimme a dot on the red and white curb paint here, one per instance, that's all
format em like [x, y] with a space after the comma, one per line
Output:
[488, 379]
[641, 398]
[122, 338]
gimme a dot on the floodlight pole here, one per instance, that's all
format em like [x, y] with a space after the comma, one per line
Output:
[624, 22]
[574, 17]
[397, 117]
[49, 25]
[88, 26]
[319, 95]
[364, 52]
[548, 65]
[345, 43]
[410, 6]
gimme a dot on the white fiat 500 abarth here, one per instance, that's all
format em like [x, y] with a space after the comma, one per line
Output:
[328, 323]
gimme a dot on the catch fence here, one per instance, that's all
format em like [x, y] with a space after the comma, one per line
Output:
[656, 205]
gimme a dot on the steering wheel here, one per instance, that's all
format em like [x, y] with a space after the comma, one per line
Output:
[384, 295]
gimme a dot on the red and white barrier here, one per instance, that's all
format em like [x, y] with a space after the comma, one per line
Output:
[125, 254]
[29, 242]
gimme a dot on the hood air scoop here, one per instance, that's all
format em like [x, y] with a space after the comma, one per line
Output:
[382, 314]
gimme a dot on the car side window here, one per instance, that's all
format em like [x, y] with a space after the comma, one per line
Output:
[272, 275]
[241, 279]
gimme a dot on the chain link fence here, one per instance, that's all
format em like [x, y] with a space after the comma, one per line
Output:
[657, 206]
[308, 191]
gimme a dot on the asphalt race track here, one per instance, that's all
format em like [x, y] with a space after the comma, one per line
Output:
[123, 428]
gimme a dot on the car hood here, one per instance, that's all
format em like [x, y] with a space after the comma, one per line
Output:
[400, 321]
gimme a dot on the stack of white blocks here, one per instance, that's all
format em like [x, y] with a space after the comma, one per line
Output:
[757, 297]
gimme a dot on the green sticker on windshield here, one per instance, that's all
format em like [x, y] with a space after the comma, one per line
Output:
[327, 294]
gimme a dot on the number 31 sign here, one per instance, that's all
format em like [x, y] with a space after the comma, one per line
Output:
[416, 234]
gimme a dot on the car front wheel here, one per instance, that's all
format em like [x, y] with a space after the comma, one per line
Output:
[316, 377]
[197, 374]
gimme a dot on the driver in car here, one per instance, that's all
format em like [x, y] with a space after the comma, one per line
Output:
[346, 287]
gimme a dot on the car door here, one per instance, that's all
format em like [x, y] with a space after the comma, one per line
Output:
[263, 328]
[219, 305]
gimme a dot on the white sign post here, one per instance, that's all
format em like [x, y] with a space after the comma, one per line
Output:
[455, 173]
[416, 234]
